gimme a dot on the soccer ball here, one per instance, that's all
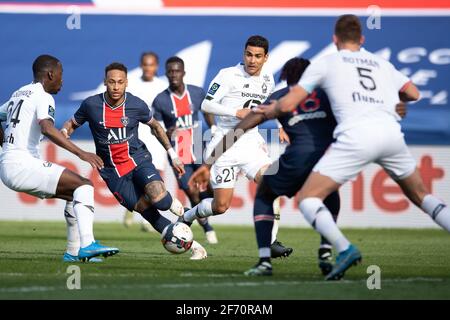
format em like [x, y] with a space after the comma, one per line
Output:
[177, 237]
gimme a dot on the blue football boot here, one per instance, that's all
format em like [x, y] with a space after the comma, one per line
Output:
[344, 260]
[70, 258]
[96, 249]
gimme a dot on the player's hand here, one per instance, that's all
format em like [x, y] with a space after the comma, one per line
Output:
[401, 109]
[268, 110]
[200, 178]
[242, 113]
[65, 133]
[283, 136]
[94, 160]
[178, 165]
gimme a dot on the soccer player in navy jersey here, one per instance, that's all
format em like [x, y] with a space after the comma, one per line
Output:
[129, 173]
[177, 108]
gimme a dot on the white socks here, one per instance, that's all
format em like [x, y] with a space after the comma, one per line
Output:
[276, 223]
[202, 210]
[73, 235]
[83, 206]
[437, 210]
[264, 252]
[320, 218]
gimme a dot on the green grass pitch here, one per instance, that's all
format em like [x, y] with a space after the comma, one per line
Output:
[415, 264]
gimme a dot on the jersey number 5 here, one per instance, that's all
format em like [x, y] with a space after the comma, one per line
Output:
[366, 80]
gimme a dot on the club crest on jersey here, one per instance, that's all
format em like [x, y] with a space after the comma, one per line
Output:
[215, 86]
[264, 88]
[124, 120]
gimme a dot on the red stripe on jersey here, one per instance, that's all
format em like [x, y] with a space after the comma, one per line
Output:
[120, 155]
[184, 146]
[113, 116]
[184, 140]
[182, 105]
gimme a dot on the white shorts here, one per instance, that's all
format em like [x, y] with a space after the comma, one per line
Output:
[357, 147]
[248, 155]
[31, 175]
[159, 154]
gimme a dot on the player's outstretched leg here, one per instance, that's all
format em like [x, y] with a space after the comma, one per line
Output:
[414, 188]
[72, 186]
[320, 218]
[325, 254]
[73, 236]
[202, 210]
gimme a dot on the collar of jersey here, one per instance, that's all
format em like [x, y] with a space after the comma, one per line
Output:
[179, 97]
[111, 107]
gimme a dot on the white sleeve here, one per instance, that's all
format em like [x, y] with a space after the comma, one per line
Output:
[3, 111]
[314, 75]
[219, 87]
[45, 108]
[399, 79]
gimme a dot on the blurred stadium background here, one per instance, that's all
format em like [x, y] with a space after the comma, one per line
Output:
[87, 35]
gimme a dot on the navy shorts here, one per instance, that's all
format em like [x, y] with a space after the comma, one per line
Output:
[129, 188]
[293, 170]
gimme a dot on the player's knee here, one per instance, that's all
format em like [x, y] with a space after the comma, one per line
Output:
[164, 203]
[220, 207]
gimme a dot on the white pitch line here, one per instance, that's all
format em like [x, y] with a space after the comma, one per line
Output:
[219, 284]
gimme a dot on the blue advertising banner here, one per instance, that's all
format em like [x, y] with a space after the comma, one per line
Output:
[419, 46]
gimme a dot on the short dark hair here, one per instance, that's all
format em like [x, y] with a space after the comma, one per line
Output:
[44, 63]
[348, 28]
[116, 66]
[293, 70]
[150, 53]
[175, 59]
[258, 41]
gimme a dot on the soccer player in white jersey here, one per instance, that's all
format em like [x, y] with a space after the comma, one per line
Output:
[232, 94]
[147, 86]
[363, 90]
[29, 113]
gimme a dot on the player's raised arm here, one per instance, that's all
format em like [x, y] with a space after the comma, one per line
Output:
[54, 135]
[160, 134]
